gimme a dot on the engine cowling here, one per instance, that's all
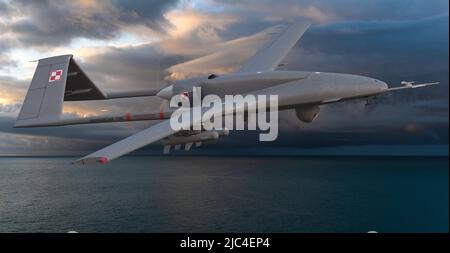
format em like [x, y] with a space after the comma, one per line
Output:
[307, 113]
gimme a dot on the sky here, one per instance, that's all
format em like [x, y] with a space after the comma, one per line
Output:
[126, 45]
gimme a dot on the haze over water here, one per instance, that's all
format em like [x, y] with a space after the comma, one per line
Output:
[225, 194]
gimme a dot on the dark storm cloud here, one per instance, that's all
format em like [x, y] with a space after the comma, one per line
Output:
[4, 8]
[384, 9]
[144, 12]
[391, 51]
[389, 40]
[5, 61]
[5, 45]
[259, 14]
[41, 29]
[339, 9]
[51, 22]
[67, 140]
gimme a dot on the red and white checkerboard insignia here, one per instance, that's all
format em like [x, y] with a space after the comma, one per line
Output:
[55, 75]
[185, 95]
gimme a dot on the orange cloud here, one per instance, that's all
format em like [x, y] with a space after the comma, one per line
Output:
[192, 32]
[223, 57]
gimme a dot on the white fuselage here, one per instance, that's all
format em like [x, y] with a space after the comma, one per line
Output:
[294, 88]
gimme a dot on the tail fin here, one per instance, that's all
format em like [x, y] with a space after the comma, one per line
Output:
[56, 79]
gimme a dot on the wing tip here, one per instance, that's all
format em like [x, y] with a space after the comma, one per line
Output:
[91, 160]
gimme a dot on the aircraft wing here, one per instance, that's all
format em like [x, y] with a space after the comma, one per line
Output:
[129, 144]
[151, 135]
[270, 56]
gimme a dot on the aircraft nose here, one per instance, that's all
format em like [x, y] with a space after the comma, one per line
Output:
[380, 85]
[356, 85]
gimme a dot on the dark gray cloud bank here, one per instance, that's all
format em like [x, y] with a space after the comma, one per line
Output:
[389, 40]
[57, 22]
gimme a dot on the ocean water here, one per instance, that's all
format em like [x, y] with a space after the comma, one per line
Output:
[225, 194]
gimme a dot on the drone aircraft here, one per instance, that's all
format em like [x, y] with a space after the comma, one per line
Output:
[60, 78]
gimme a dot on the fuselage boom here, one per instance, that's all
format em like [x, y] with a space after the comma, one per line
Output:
[294, 88]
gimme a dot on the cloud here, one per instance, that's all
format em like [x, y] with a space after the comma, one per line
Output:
[391, 41]
[192, 31]
[51, 23]
[323, 11]
[391, 51]
[143, 66]
[22, 144]
[5, 59]
[11, 90]
[4, 9]
[224, 56]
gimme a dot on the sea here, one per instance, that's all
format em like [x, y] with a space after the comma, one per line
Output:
[155, 194]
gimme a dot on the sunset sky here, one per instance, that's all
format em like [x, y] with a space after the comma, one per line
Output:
[125, 45]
